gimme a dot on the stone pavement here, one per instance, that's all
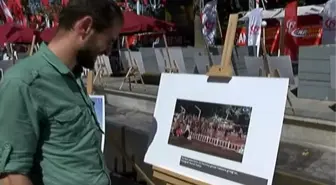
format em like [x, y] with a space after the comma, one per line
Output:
[306, 108]
[309, 163]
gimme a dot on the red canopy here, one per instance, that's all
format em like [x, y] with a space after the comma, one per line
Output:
[134, 23]
[6, 30]
[47, 34]
[23, 35]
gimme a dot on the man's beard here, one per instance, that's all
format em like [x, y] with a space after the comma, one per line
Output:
[86, 58]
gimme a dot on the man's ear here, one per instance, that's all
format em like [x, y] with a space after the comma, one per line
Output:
[83, 27]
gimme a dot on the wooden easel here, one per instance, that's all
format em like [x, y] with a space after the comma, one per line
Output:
[101, 67]
[224, 70]
[134, 72]
[171, 66]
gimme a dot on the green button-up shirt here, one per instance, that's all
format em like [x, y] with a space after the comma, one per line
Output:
[48, 128]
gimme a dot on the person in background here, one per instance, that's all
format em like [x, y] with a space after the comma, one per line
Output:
[49, 132]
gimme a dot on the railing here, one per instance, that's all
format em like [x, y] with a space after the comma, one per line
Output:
[217, 142]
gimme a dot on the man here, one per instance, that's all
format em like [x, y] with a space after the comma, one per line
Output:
[49, 134]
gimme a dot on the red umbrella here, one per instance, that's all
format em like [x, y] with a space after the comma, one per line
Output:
[23, 35]
[6, 30]
[134, 23]
[47, 34]
[131, 23]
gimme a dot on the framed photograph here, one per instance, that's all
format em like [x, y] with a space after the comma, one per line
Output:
[217, 132]
[99, 106]
[210, 128]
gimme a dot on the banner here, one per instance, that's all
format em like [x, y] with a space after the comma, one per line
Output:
[312, 36]
[254, 31]
[209, 20]
[329, 23]
[291, 31]
[4, 8]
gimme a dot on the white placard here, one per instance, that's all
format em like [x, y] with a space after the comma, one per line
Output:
[246, 154]
[99, 106]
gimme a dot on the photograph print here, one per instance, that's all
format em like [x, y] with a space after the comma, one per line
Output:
[216, 129]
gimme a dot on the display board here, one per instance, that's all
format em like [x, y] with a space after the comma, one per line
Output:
[218, 133]
[99, 106]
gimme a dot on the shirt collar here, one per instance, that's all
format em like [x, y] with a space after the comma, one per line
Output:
[53, 60]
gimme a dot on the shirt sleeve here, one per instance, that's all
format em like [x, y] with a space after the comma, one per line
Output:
[19, 127]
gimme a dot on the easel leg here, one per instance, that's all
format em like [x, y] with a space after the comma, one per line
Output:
[290, 103]
[276, 73]
[96, 76]
[135, 78]
[129, 83]
[89, 82]
[126, 77]
[141, 79]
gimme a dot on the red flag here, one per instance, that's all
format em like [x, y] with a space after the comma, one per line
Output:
[45, 3]
[290, 23]
[65, 2]
[6, 11]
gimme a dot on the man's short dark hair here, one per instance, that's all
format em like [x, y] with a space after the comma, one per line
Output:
[105, 13]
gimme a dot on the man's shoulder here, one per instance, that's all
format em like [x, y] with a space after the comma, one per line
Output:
[26, 70]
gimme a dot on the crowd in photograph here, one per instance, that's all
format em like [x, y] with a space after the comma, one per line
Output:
[185, 124]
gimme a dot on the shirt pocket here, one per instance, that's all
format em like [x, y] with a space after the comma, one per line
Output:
[69, 126]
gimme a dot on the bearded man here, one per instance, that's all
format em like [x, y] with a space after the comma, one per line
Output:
[49, 133]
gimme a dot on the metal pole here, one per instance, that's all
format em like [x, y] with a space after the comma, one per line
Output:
[252, 4]
[199, 112]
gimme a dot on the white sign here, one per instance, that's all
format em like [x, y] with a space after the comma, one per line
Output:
[254, 30]
[329, 23]
[218, 133]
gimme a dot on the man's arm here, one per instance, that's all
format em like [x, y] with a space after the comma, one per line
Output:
[19, 132]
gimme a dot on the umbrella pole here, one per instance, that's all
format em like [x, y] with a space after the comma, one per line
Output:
[31, 50]
[219, 27]
[11, 52]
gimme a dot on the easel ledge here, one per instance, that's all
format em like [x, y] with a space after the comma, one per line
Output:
[172, 178]
[280, 178]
